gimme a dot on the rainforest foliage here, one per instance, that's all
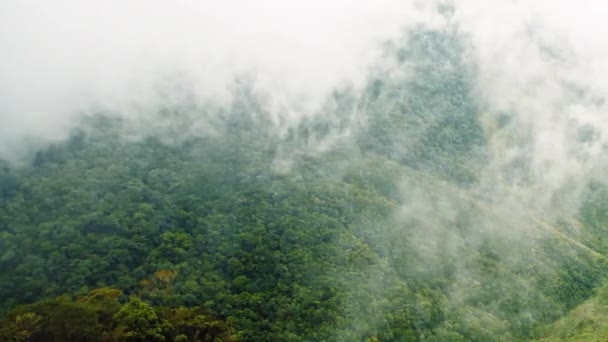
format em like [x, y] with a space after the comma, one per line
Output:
[247, 234]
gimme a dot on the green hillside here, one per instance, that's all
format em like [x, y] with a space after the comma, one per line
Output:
[328, 230]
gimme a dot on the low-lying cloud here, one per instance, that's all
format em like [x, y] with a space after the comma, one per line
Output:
[60, 58]
[539, 64]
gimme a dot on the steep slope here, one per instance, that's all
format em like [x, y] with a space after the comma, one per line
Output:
[377, 221]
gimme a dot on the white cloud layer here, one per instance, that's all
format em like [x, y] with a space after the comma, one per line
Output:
[544, 62]
[58, 57]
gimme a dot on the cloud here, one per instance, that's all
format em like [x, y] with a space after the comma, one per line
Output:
[539, 63]
[58, 58]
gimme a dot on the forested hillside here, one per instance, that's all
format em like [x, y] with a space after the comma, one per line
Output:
[374, 222]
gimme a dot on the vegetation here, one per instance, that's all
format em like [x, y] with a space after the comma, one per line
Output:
[99, 316]
[250, 235]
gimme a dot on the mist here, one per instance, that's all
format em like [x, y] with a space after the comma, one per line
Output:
[59, 60]
[540, 63]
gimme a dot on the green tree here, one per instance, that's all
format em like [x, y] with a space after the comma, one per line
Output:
[137, 321]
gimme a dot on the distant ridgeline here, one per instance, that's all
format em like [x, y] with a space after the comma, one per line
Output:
[313, 232]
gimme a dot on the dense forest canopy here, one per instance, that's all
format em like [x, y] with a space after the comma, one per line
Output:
[407, 209]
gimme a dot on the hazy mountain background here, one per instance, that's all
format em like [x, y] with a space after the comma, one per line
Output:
[386, 171]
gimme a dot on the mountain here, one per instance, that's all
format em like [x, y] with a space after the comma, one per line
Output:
[380, 219]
